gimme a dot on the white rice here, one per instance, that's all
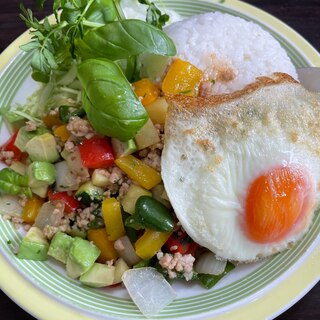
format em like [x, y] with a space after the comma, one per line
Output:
[224, 46]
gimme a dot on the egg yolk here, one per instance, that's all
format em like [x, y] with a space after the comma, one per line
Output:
[276, 201]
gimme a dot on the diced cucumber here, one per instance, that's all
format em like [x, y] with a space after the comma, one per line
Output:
[129, 200]
[99, 179]
[157, 110]
[147, 136]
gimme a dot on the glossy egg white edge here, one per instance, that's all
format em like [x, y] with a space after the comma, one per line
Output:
[207, 181]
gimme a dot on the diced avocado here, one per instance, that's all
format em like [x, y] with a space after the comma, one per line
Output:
[43, 148]
[82, 256]
[42, 192]
[123, 148]
[34, 245]
[24, 136]
[147, 136]
[40, 176]
[41, 173]
[120, 268]
[99, 275]
[88, 193]
[130, 198]
[19, 167]
[60, 246]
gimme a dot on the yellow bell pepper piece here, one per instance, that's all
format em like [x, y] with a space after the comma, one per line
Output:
[62, 133]
[51, 120]
[182, 78]
[138, 171]
[146, 90]
[100, 238]
[150, 243]
[111, 212]
[31, 209]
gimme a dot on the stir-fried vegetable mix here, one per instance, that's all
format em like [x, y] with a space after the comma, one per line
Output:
[84, 158]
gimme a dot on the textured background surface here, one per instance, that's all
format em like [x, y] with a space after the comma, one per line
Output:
[302, 16]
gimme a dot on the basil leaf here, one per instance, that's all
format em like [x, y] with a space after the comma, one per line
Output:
[101, 11]
[111, 106]
[123, 39]
[14, 183]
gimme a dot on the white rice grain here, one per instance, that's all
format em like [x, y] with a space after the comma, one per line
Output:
[229, 49]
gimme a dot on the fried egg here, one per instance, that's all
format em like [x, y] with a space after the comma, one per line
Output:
[242, 170]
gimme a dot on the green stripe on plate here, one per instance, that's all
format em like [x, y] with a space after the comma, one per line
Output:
[102, 302]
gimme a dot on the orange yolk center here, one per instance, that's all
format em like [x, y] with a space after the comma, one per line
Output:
[276, 201]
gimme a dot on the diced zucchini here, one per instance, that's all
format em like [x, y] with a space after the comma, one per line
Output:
[88, 193]
[129, 200]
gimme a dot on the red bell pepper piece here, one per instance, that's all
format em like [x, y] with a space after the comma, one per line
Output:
[179, 241]
[96, 153]
[70, 203]
[10, 146]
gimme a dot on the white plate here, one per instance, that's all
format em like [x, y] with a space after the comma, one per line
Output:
[249, 292]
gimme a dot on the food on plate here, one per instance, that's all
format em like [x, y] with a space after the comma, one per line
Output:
[231, 51]
[87, 180]
[242, 170]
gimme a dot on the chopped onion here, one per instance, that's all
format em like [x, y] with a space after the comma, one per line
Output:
[148, 289]
[65, 180]
[9, 205]
[49, 215]
[209, 264]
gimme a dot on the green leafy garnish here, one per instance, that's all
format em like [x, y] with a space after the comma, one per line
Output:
[110, 104]
[154, 15]
[14, 183]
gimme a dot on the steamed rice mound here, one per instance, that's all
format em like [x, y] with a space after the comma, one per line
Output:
[230, 50]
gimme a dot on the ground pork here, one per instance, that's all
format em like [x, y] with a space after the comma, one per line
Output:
[80, 127]
[6, 157]
[177, 263]
[30, 126]
[84, 216]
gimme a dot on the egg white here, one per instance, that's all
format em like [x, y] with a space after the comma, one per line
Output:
[207, 168]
